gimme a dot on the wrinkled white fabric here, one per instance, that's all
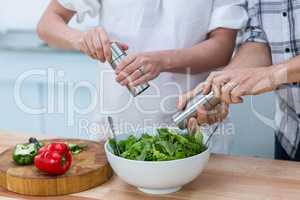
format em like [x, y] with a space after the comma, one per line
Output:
[153, 25]
[231, 15]
[82, 7]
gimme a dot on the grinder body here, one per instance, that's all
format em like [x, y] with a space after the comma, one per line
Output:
[207, 101]
[117, 55]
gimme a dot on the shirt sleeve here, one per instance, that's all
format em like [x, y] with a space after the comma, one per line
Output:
[82, 8]
[254, 31]
[228, 14]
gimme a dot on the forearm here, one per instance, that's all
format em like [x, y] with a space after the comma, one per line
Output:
[53, 27]
[288, 72]
[212, 53]
[251, 54]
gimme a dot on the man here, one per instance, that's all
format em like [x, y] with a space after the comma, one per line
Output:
[272, 28]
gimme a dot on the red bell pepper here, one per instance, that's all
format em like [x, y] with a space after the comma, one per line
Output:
[54, 158]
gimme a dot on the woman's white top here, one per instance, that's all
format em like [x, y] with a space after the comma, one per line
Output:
[153, 25]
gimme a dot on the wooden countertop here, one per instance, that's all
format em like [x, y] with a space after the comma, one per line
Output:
[225, 178]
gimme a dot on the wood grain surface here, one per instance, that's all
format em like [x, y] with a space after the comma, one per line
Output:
[225, 178]
[89, 169]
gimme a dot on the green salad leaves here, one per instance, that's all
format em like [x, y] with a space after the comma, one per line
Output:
[166, 145]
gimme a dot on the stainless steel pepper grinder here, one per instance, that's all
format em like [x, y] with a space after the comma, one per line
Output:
[208, 101]
[117, 55]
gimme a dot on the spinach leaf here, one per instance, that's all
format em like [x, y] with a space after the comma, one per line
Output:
[166, 145]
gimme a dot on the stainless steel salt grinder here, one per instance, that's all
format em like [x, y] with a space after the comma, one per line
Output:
[117, 55]
[208, 101]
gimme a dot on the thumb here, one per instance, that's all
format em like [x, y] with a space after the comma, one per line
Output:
[183, 99]
[192, 126]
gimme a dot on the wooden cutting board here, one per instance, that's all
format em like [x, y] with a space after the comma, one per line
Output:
[89, 169]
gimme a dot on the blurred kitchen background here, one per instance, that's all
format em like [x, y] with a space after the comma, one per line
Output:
[21, 51]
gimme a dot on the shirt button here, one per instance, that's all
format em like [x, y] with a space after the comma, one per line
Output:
[287, 50]
[284, 14]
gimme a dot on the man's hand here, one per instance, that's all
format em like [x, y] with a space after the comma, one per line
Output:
[231, 85]
[140, 68]
[203, 116]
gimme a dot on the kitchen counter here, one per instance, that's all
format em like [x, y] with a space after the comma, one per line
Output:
[225, 178]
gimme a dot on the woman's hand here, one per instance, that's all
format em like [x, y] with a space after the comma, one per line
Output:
[231, 85]
[96, 44]
[140, 68]
[203, 116]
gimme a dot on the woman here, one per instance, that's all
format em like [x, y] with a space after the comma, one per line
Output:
[164, 38]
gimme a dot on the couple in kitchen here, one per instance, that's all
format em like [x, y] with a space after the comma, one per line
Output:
[174, 43]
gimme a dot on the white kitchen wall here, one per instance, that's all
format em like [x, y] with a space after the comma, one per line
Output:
[34, 91]
[252, 136]
[16, 14]
[25, 14]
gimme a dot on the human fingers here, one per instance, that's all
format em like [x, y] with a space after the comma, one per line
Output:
[125, 62]
[141, 80]
[105, 42]
[184, 98]
[202, 115]
[98, 46]
[192, 125]
[127, 71]
[227, 96]
[209, 81]
[87, 46]
[143, 76]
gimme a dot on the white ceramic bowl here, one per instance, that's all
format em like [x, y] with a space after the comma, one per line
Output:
[157, 177]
